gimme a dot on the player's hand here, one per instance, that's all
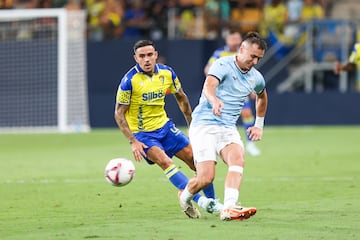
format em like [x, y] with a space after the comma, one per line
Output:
[254, 133]
[217, 107]
[337, 67]
[138, 150]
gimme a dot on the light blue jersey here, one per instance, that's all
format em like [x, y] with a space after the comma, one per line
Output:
[233, 90]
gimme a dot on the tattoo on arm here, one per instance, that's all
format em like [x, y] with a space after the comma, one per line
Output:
[184, 105]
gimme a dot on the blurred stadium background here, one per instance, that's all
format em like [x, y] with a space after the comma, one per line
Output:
[298, 68]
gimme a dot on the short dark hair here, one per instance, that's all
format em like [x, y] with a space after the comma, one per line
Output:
[143, 43]
[254, 37]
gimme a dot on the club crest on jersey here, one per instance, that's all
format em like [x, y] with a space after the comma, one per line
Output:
[162, 79]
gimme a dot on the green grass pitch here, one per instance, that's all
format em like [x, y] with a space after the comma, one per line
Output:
[305, 185]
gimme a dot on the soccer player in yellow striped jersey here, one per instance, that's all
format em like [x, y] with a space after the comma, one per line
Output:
[233, 41]
[353, 60]
[141, 116]
[352, 63]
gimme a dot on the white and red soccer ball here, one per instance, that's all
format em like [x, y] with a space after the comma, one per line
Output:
[119, 172]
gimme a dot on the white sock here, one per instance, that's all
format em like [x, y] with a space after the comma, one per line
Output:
[231, 196]
[186, 196]
[203, 202]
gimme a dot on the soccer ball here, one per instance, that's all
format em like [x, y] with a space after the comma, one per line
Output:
[119, 172]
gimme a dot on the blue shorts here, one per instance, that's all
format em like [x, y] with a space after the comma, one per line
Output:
[247, 104]
[168, 138]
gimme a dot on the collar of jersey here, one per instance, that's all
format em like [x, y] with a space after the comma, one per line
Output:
[139, 69]
[239, 67]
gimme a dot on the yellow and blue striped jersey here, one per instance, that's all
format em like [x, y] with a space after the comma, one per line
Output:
[220, 52]
[145, 96]
[355, 54]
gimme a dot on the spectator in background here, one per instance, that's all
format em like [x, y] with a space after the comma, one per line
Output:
[156, 10]
[135, 20]
[217, 15]
[312, 10]
[274, 18]
[247, 15]
[186, 19]
[283, 24]
[74, 5]
[111, 19]
[212, 18]
[294, 9]
[95, 9]
[6, 4]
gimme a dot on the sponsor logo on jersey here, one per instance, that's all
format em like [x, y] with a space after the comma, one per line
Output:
[153, 95]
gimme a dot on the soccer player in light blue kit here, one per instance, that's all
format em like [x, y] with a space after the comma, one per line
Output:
[213, 130]
[141, 116]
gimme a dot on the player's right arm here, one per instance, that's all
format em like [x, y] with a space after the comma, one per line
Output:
[136, 146]
[209, 90]
[120, 119]
[346, 67]
[123, 101]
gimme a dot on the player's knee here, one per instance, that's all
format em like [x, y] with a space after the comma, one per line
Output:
[164, 163]
[187, 154]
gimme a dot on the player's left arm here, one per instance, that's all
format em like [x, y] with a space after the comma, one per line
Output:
[261, 103]
[184, 104]
[255, 132]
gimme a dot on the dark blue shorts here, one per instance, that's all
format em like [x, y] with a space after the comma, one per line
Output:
[168, 138]
[247, 104]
